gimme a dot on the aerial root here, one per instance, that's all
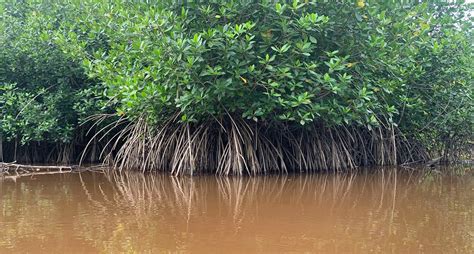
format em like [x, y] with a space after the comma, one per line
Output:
[234, 146]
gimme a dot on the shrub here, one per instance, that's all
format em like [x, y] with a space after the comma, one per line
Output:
[44, 93]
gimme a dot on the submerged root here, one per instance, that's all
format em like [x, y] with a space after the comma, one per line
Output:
[234, 146]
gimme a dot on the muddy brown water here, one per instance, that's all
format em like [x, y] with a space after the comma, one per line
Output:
[390, 211]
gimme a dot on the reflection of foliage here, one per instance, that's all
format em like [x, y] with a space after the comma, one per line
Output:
[434, 175]
[388, 210]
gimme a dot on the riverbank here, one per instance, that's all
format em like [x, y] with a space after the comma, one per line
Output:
[13, 171]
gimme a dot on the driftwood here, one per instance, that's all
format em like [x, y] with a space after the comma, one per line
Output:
[14, 170]
[14, 177]
[12, 166]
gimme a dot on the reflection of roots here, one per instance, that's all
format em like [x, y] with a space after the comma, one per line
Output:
[236, 147]
[174, 204]
[187, 196]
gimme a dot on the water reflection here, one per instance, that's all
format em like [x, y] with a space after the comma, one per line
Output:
[388, 211]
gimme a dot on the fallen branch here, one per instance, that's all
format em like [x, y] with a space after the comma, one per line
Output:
[15, 177]
[5, 167]
[14, 171]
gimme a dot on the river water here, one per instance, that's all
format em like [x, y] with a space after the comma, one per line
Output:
[385, 211]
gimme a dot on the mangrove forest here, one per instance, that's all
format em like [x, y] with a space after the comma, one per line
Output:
[236, 87]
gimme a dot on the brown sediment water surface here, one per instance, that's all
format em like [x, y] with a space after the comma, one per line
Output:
[385, 210]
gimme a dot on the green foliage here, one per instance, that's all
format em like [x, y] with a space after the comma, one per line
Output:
[43, 92]
[23, 116]
[340, 63]
[257, 60]
[441, 114]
